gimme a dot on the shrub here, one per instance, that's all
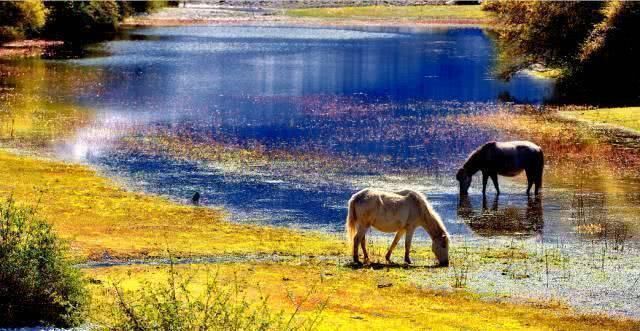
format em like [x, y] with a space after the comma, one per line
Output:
[19, 19]
[82, 20]
[173, 306]
[38, 284]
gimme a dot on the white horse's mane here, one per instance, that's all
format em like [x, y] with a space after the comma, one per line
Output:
[427, 211]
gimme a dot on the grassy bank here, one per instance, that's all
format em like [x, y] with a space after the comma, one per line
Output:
[625, 117]
[355, 299]
[102, 219]
[430, 12]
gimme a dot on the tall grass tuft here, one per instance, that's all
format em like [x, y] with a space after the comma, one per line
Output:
[177, 304]
[38, 283]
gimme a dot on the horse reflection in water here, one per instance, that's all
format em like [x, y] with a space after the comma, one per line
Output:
[509, 220]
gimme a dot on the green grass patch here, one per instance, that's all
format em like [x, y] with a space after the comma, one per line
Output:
[626, 117]
[378, 12]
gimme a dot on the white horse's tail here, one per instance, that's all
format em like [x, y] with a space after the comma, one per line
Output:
[350, 226]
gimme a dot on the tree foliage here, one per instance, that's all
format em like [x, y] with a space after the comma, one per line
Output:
[547, 32]
[38, 284]
[20, 18]
[594, 42]
[82, 20]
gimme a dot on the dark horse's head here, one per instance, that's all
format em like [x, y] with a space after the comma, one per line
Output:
[464, 178]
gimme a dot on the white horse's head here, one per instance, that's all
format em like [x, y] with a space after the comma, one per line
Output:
[440, 247]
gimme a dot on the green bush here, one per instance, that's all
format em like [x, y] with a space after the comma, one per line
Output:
[82, 20]
[173, 306]
[19, 19]
[38, 284]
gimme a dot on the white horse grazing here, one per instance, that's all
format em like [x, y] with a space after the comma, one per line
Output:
[400, 212]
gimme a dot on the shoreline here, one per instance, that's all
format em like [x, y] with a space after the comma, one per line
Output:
[236, 15]
[27, 48]
[310, 22]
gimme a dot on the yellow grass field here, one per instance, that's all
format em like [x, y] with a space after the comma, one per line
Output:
[363, 299]
[101, 219]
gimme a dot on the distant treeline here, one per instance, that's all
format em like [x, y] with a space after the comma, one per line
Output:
[595, 43]
[67, 20]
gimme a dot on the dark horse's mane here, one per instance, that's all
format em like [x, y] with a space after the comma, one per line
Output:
[471, 165]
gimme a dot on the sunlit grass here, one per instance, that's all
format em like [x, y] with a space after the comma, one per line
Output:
[102, 219]
[625, 117]
[357, 299]
[441, 12]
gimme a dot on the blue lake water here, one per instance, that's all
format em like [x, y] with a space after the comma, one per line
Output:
[374, 99]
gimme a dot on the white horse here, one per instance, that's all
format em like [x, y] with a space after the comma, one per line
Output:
[400, 212]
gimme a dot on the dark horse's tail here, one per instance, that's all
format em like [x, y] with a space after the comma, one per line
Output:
[540, 167]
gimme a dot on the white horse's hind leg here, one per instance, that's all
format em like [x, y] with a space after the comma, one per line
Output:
[407, 245]
[363, 244]
[393, 245]
[357, 241]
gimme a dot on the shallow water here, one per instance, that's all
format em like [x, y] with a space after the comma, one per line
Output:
[374, 98]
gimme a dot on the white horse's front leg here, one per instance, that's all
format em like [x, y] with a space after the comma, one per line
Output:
[407, 245]
[399, 235]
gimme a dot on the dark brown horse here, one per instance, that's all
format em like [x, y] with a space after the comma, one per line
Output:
[503, 158]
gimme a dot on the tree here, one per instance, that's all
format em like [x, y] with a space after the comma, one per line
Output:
[546, 32]
[595, 43]
[20, 19]
[82, 20]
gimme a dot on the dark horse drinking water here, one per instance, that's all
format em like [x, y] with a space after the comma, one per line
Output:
[508, 158]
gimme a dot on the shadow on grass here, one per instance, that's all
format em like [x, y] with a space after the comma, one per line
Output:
[380, 266]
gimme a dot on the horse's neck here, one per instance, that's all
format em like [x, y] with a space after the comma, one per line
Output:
[473, 163]
[432, 224]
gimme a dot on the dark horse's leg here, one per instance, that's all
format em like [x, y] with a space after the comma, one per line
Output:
[485, 177]
[530, 179]
[539, 177]
[534, 175]
[494, 178]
